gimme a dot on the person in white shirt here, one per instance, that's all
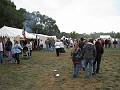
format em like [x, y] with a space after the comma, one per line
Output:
[1, 52]
[31, 48]
[71, 43]
[29, 45]
[57, 47]
[41, 44]
[62, 50]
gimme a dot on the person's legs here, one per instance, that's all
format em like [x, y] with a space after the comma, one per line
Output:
[98, 65]
[86, 70]
[91, 68]
[47, 48]
[57, 51]
[1, 57]
[75, 70]
[18, 60]
[83, 64]
[94, 65]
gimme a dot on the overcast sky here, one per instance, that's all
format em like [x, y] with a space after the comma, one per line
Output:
[81, 16]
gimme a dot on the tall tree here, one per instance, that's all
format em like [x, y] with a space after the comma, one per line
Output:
[9, 15]
[35, 22]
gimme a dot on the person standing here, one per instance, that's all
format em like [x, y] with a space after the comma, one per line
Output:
[52, 45]
[41, 44]
[71, 43]
[8, 47]
[29, 48]
[119, 42]
[106, 43]
[16, 51]
[114, 43]
[47, 45]
[99, 52]
[76, 59]
[57, 47]
[109, 43]
[81, 44]
[31, 43]
[1, 52]
[89, 53]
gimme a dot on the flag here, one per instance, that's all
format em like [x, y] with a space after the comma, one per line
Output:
[37, 36]
[23, 33]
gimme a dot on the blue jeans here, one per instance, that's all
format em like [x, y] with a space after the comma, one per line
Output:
[8, 56]
[90, 68]
[114, 45]
[1, 57]
[83, 63]
[47, 48]
[76, 69]
[52, 47]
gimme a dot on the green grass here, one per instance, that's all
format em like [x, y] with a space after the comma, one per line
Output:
[37, 73]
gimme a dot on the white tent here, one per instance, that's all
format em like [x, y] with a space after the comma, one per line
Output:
[105, 36]
[14, 32]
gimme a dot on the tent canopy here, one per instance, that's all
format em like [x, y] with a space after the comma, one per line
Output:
[105, 36]
[14, 32]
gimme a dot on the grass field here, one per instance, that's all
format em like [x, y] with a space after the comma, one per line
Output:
[37, 73]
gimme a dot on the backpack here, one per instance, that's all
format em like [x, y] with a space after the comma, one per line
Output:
[76, 55]
[89, 52]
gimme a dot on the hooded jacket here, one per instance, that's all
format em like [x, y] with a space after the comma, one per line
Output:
[89, 51]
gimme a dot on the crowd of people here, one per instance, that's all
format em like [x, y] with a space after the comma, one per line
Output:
[84, 52]
[13, 50]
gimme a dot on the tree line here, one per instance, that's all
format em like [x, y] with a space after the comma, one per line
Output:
[35, 22]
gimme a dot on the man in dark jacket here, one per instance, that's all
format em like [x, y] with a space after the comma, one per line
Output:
[81, 44]
[8, 47]
[100, 51]
[89, 53]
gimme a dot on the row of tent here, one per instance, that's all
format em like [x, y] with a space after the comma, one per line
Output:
[15, 33]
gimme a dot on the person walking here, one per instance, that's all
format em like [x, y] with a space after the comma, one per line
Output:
[57, 47]
[89, 53]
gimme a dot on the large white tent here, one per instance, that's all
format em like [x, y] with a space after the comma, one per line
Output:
[13, 34]
[6, 31]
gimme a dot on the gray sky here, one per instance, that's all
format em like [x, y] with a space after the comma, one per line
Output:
[82, 16]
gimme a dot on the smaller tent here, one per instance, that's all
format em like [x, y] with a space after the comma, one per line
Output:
[44, 37]
[105, 36]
